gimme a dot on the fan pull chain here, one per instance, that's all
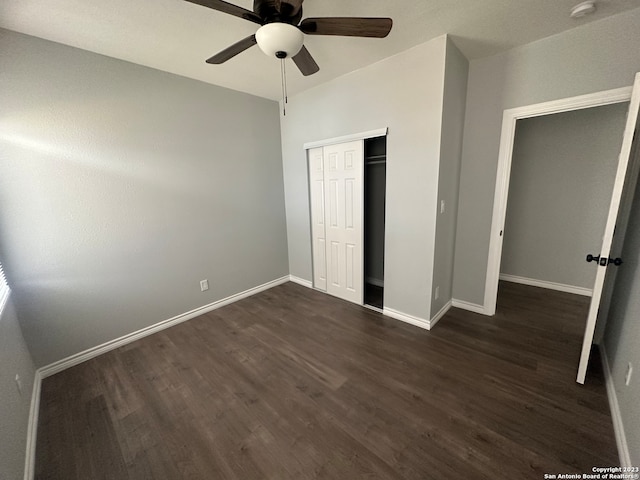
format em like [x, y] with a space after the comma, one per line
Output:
[283, 75]
[284, 68]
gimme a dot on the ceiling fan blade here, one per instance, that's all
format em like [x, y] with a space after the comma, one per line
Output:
[305, 62]
[347, 26]
[233, 50]
[229, 8]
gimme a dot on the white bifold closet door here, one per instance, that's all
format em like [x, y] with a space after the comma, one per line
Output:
[336, 186]
[319, 244]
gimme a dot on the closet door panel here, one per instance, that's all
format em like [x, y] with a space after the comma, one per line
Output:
[343, 178]
[320, 264]
[334, 272]
[334, 200]
[350, 260]
[317, 200]
[349, 204]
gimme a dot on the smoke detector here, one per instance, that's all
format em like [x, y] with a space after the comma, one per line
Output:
[584, 8]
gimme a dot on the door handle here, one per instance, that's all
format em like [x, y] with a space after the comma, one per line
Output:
[604, 261]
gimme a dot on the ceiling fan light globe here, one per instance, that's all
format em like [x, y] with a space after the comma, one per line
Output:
[279, 37]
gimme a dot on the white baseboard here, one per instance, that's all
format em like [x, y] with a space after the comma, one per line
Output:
[32, 428]
[443, 311]
[472, 307]
[375, 309]
[561, 287]
[405, 317]
[90, 353]
[375, 281]
[618, 425]
[300, 281]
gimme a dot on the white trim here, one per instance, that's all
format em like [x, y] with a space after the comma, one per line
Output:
[300, 281]
[90, 353]
[375, 309]
[405, 317]
[471, 307]
[561, 287]
[375, 281]
[507, 137]
[32, 428]
[5, 291]
[443, 311]
[381, 132]
[605, 97]
[616, 417]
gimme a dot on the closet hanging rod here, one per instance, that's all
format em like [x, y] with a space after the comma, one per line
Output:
[376, 162]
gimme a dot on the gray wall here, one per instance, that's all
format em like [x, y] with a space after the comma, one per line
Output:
[404, 93]
[455, 95]
[562, 175]
[121, 187]
[14, 405]
[598, 56]
[622, 335]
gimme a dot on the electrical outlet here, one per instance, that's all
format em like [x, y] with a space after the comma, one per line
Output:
[437, 293]
[204, 285]
[627, 379]
[19, 384]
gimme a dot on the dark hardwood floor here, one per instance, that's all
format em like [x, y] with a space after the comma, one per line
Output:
[294, 384]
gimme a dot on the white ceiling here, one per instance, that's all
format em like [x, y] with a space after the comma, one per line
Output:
[177, 36]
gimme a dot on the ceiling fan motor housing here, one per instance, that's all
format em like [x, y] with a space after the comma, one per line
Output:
[290, 13]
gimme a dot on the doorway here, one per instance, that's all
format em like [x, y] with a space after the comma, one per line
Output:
[347, 188]
[375, 181]
[626, 169]
[562, 174]
[503, 174]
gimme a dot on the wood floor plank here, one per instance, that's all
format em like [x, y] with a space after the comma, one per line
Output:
[294, 384]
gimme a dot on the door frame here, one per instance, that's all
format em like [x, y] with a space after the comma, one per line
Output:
[380, 132]
[503, 174]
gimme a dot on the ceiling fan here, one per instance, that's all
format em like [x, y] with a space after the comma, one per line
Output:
[281, 31]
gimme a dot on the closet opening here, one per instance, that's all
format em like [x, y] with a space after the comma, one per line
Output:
[375, 180]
